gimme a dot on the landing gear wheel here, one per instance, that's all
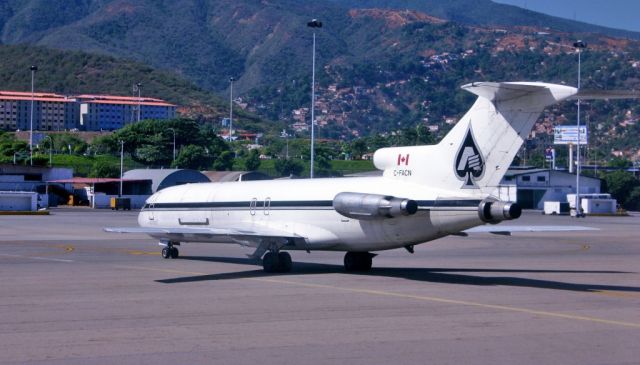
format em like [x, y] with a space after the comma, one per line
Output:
[270, 262]
[358, 261]
[174, 253]
[285, 262]
[166, 253]
[277, 262]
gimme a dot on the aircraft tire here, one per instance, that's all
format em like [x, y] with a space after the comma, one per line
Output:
[270, 262]
[365, 261]
[166, 253]
[174, 253]
[285, 262]
[357, 261]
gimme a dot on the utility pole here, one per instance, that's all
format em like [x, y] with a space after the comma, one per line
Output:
[314, 23]
[139, 86]
[579, 45]
[231, 80]
[121, 165]
[174, 143]
[33, 75]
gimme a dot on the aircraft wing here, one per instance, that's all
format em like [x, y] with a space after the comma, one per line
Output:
[251, 236]
[507, 230]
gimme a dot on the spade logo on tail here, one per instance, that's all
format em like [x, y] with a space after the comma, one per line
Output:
[469, 163]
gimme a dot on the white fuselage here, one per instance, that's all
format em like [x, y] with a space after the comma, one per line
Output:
[304, 208]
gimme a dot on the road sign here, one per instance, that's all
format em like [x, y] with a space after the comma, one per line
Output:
[569, 135]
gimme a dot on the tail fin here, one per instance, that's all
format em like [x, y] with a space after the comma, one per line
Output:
[477, 152]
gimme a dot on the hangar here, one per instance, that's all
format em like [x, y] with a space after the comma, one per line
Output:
[164, 178]
[531, 187]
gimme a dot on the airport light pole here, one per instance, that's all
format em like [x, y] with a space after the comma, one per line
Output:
[121, 165]
[314, 23]
[580, 46]
[174, 143]
[139, 88]
[231, 80]
[33, 76]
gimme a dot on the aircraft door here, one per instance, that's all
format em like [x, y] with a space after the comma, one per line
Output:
[252, 206]
[267, 206]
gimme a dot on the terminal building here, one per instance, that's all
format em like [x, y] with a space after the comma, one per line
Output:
[54, 112]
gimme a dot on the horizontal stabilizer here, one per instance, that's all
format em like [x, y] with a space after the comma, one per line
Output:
[498, 92]
[607, 94]
[507, 230]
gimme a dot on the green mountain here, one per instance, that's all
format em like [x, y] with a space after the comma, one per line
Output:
[74, 72]
[381, 65]
[488, 13]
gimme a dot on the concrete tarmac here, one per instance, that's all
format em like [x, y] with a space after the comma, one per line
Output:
[72, 294]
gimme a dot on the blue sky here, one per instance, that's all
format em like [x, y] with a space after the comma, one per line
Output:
[620, 14]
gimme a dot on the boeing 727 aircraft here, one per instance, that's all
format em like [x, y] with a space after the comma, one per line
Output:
[426, 192]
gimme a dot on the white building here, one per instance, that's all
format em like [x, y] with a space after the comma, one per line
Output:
[531, 187]
[18, 178]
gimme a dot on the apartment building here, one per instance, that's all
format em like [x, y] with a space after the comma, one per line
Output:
[54, 112]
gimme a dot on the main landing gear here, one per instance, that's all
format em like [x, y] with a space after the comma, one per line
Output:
[275, 261]
[169, 250]
[358, 261]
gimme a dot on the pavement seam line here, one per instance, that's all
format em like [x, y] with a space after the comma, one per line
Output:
[459, 302]
[412, 296]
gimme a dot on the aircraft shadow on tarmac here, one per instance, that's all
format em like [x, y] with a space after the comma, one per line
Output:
[429, 275]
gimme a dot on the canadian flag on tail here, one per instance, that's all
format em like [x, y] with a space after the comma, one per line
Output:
[403, 159]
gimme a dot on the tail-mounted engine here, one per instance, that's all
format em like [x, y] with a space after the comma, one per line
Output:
[373, 206]
[495, 211]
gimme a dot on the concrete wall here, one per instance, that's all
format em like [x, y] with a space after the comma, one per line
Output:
[18, 201]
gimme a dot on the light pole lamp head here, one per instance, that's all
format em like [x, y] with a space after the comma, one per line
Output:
[580, 45]
[34, 68]
[232, 79]
[314, 23]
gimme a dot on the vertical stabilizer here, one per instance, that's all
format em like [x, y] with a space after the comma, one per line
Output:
[477, 152]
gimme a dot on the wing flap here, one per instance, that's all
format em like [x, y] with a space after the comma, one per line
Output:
[252, 236]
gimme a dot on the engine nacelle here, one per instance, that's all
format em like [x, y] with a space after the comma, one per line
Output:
[373, 206]
[494, 211]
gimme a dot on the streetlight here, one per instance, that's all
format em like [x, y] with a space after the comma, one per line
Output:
[33, 76]
[174, 143]
[121, 165]
[314, 23]
[138, 87]
[579, 46]
[231, 80]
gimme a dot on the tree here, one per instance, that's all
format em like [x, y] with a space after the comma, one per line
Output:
[154, 153]
[224, 162]
[620, 162]
[62, 142]
[358, 148]
[252, 161]
[104, 169]
[633, 202]
[288, 167]
[193, 157]
[620, 184]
